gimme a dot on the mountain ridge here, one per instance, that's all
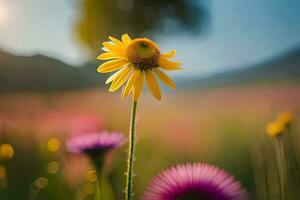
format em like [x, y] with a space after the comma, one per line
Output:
[42, 73]
[285, 67]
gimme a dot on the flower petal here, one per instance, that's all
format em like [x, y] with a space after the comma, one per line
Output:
[153, 85]
[138, 86]
[114, 48]
[165, 78]
[169, 55]
[111, 66]
[168, 65]
[131, 81]
[115, 75]
[121, 79]
[117, 42]
[109, 55]
[126, 39]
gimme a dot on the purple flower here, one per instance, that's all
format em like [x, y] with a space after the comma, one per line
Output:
[95, 144]
[194, 182]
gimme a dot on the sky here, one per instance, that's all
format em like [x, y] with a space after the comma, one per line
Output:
[241, 33]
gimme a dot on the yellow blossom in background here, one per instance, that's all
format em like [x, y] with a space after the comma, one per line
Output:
[53, 145]
[285, 117]
[89, 188]
[53, 167]
[136, 60]
[6, 152]
[91, 176]
[41, 183]
[275, 128]
[2, 173]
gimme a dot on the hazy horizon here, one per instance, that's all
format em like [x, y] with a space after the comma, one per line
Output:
[240, 34]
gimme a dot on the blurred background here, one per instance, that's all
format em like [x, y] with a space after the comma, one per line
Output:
[241, 62]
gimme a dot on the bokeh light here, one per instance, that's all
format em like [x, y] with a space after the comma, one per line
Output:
[41, 182]
[91, 176]
[53, 145]
[89, 188]
[53, 167]
[6, 151]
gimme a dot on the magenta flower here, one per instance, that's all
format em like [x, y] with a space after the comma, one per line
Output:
[194, 182]
[95, 144]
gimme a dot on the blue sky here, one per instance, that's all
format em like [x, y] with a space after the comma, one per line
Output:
[241, 33]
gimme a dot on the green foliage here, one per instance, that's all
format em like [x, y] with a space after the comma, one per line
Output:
[101, 18]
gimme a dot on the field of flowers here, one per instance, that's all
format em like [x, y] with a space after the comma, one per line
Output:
[223, 126]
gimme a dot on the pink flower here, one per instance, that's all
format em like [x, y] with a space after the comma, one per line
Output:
[95, 144]
[194, 182]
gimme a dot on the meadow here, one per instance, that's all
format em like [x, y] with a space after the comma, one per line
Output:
[222, 126]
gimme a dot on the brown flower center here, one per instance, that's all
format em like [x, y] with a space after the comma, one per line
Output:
[143, 54]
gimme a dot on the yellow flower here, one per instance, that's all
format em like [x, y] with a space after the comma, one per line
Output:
[136, 59]
[6, 152]
[275, 128]
[285, 117]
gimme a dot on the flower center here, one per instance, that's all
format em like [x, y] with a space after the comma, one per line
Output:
[143, 54]
[196, 195]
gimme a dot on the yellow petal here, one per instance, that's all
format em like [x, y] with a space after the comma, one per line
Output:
[120, 80]
[117, 42]
[138, 86]
[126, 39]
[114, 48]
[131, 81]
[165, 78]
[168, 65]
[153, 85]
[115, 75]
[111, 66]
[169, 55]
[109, 55]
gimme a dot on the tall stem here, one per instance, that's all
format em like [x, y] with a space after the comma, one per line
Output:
[99, 186]
[281, 165]
[130, 159]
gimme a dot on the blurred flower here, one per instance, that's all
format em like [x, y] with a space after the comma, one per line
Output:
[89, 188]
[41, 183]
[58, 121]
[285, 118]
[275, 128]
[91, 176]
[95, 144]
[6, 152]
[194, 181]
[53, 167]
[75, 169]
[84, 123]
[53, 144]
[135, 59]
[2, 172]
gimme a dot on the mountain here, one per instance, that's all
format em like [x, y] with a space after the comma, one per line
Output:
[284, 68]
[41, 73]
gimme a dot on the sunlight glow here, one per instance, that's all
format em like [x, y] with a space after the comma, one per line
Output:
[3, 13]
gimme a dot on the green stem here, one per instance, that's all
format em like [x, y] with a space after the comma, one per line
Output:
[99, 177]
[281, 165]
[290, 141]
[130, 159]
